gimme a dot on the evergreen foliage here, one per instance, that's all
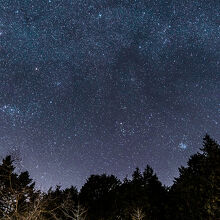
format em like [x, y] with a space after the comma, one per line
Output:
[195, 194]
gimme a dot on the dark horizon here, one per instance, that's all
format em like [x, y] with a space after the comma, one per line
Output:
[16, 158]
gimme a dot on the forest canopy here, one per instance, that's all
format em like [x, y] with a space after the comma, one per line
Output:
[194, 195]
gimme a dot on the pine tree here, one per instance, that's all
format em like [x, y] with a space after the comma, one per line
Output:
[98, 196]
[196, 192]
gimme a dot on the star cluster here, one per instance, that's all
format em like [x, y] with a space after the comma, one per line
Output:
[106, 86]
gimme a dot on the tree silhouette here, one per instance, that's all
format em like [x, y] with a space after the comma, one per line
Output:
[195, 194]
[16, 191]
[143, 192]
[98, 196]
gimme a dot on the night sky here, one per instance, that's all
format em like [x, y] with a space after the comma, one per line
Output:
[103, 86]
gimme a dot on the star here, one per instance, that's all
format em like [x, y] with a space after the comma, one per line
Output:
[90, 86]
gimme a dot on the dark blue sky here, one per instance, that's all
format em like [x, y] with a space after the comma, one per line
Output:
[93, 86]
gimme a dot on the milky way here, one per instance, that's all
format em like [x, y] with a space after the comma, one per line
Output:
[94, 86]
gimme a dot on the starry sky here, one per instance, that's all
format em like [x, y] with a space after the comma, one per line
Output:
[103, 86]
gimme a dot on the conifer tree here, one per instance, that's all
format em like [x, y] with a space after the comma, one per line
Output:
[196, 192]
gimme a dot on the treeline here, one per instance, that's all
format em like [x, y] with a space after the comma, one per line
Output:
[194, 195]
